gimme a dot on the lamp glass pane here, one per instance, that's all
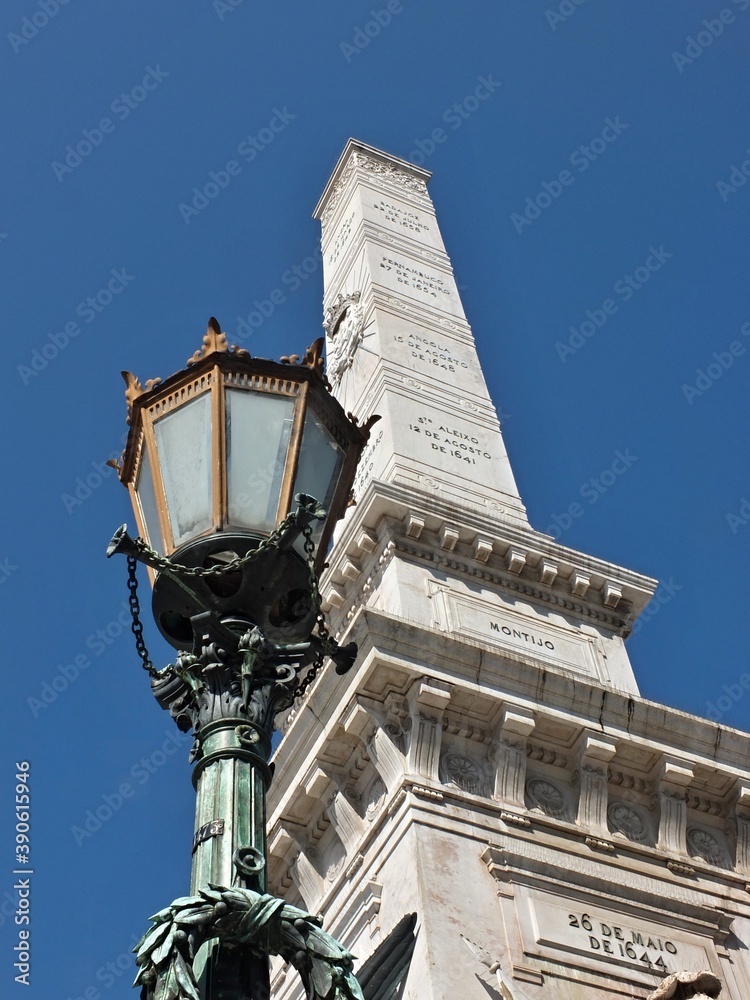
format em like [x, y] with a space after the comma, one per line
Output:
[147, 502]
[319, 467]
[183, 441]
[258, 429]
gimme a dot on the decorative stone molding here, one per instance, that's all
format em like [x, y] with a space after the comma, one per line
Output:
[388, 758]
[333, 861]
[611, 593]
[628, 822]
[343, 814]
[622, 779]
[547, 755]
[374, 799]
[427, 700]
[514, 820]
[482, 548]
[680, 869]
[704, 845]
[579, 582]
[356, 721]
[351, 569]
[390, 172]
[422, 792]
[528, 588]
[414, 526]
[315, 783]
[305, 875]
[448, 537]
[701, 803]
[545, 797]
[548, 570]
[456, 724]
[334, 597]
[508, 754]
[516, 560]
[408, 182]
[675, 776]
[366, 540]
[742, 832]
[463, 772]
[595, 753]
[599, 845]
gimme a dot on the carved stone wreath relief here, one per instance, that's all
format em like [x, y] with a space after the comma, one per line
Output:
[702, 844]
[546, 797]
[459, 770]
[628, 822]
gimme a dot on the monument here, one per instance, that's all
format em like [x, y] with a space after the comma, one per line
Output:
[485, 806]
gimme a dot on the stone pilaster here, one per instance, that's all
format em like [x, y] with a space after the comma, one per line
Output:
[508, 754]
[428, 700]
[675, 776]
[742, 819]
[290, 837]
[348, 823]
[596, 751]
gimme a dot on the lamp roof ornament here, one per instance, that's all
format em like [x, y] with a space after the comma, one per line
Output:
[215, 342]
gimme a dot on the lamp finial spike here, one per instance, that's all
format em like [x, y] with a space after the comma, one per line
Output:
[214, 340]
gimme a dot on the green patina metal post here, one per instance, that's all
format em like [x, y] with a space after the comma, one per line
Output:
[246, 599]
[230, 783]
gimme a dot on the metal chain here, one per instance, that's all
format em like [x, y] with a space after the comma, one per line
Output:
[327, 643]
[136, 626]
[162, 563]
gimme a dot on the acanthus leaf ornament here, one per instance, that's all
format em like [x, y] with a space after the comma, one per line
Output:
[135, 388]
[214, 340]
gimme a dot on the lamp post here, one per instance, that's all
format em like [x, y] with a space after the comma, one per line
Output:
[238, 469]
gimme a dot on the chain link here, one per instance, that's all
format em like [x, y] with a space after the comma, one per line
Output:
[162, 563]
[328, 645]
[136, 626]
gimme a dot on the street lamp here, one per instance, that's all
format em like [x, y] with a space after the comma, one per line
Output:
[238, 469]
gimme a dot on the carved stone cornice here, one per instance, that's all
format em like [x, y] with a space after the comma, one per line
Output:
[546, 754]
[623, 779]
[391, 170]
[381, 502]
[704, 804]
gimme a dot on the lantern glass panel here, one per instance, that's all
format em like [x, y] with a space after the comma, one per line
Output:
[259, 426]
[320, 462]
[183, 441]
[147, 502]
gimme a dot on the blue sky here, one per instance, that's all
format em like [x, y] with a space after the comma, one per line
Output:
[595, 208]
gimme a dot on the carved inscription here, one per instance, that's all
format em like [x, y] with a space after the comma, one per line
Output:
[366, 462]
[523, 633]
[450, 440]
[431, 352]
[515, 633]
[430, 284]
[624, 942]
[400, 217]
[342, 238]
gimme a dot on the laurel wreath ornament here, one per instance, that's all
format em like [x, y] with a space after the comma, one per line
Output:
[243, 918]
